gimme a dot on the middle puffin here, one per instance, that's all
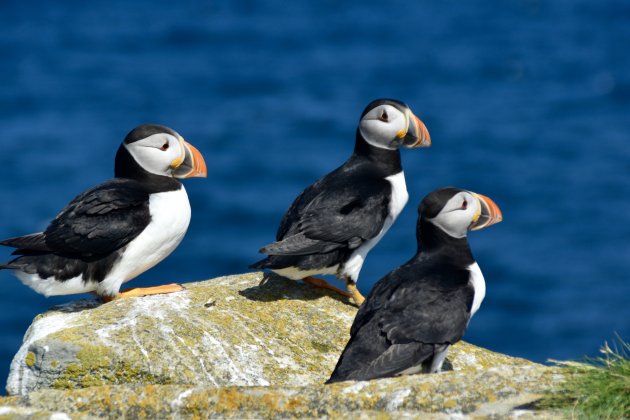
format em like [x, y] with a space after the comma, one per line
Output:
[333, 224]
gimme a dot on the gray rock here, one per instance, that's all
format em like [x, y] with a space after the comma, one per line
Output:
[498, 392]
[227, 331]
[230, 347]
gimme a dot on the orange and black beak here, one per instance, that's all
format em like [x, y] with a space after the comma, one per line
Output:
[488, 215]
[192, 163]
[417, 134]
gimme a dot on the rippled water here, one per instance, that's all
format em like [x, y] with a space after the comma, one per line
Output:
[527, 102]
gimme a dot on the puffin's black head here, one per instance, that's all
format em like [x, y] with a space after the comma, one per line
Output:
[456, 211]
[390, 124]
[158, 150]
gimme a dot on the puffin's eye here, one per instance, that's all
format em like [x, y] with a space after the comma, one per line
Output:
[164, 147]
[464, 205]
[384, 116]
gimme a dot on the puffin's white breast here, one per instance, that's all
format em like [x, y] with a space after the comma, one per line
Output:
[397, 202]
[479, 284]
[170, 217]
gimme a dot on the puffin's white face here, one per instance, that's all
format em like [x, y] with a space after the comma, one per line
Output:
[466, 211]
[458, 214]
[383, 125]
[168, 155]
[159, 153]
[389, 127]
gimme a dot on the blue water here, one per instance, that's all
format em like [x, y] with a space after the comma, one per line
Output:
[527, 102]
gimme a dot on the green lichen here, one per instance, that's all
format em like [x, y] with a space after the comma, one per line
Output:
[322, 347]
[415, 396]
[30, 359]
[77, 376]
[282, 333]
[94, 367]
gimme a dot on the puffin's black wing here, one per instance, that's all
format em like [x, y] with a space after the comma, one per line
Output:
[409, 315]
[340, 214]
[94, 224]
[421, 302]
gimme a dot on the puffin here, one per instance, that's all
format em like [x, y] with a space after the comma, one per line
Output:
[333, 224]
[115, 231]
[417, 311]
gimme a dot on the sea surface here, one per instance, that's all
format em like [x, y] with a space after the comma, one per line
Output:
[527, 102]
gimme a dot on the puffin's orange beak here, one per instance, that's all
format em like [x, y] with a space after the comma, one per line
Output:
[489, 213]
[417, 134]
[193, 164]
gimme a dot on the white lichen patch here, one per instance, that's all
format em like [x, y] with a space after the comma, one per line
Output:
[467, 360]
[181, 398]
[355, 388]
[397, 399]
[239, 364]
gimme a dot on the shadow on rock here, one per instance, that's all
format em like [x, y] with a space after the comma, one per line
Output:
[447, 366]
[77, 306]
[274, 287]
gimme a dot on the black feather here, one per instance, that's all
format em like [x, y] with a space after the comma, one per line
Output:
[413, 313]
[337, 213]
[299, 245]
[28, 243]
[89, 235]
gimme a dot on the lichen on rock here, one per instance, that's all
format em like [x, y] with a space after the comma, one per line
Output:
[228, 331]
[240, 347]
[495, 393]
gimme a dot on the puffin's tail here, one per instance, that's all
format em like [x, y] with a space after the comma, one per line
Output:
[34, 242]
[262, 264]
[7, 266]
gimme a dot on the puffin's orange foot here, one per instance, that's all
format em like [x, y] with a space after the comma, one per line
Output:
[325, 285]
[354, 292]
[146, 291]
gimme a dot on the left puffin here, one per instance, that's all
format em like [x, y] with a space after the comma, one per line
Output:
[117, 230]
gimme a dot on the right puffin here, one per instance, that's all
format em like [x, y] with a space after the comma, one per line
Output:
[417, 311]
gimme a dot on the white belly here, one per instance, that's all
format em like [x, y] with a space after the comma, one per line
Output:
[295, 273]
[170, 217]
[479, 284]
[51, 287]
[398, 200]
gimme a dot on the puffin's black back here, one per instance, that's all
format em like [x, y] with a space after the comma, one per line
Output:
[349, 204]
[417, 310]
[87, 236]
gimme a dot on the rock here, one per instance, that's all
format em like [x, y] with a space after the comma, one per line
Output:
[230, 347]
[227, 331]
[494, 392]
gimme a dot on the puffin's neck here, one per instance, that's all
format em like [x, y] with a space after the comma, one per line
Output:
[433, 241]
[126, 167]
[385, 159]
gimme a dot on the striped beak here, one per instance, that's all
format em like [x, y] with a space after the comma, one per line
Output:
[417, 134]
[192, 165]
[488, 215]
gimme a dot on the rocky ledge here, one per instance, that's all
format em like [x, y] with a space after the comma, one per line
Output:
[241, 346]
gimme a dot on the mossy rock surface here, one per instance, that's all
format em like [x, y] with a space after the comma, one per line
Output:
[226, 331]
[499, 392]
[236, 347]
